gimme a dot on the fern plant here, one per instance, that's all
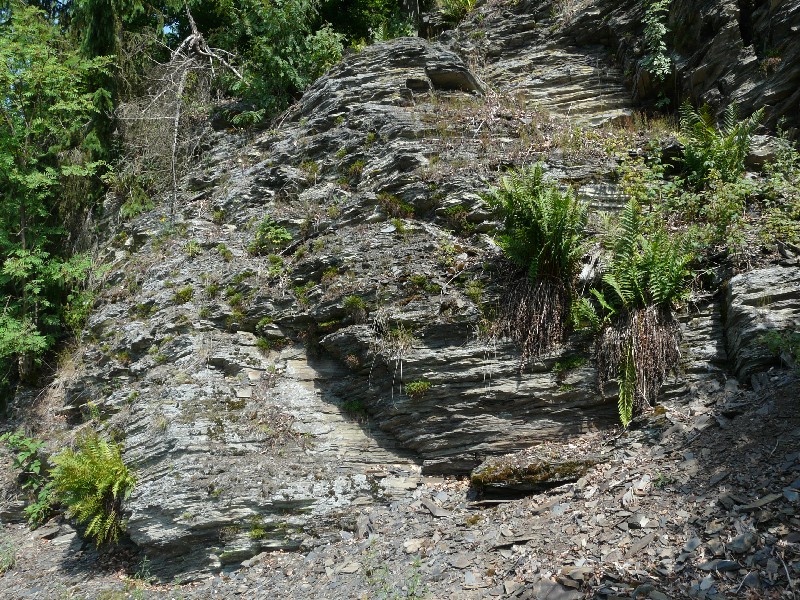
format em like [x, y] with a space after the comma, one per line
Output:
[711, 151]
[647, 275]
[92, 482]
[542, 236]
[543, 225]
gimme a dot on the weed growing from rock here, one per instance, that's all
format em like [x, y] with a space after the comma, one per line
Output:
[269, 236]
[29, 460]
[417, 389]
[8, 553]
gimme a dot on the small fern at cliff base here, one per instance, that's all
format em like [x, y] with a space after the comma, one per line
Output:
[92, 482]
[639, 350]
[542, 236]
[647, 274]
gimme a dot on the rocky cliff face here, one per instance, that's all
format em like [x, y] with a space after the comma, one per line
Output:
[722, 52]
[264, 396]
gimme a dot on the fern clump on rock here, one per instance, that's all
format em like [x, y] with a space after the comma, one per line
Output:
[714, 152]
[542, 236]
[92, 482]
[639, 344]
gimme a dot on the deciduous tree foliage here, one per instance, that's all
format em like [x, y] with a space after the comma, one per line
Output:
[44, 111]
[65, 68]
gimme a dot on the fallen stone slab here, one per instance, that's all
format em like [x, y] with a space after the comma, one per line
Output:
[529, 471]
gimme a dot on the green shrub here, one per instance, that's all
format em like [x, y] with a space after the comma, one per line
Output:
[30, 462]
[283, 48]
[417, 389]
[301, 292]
[542, 234]
[134, 190]
[224, 252]
[356, 169]
[269, 236]
[8, 553]
[77, 309]
[421, 282]
[455, 10]
[781, 219]
[355, 408]
[329, 276]
[93, 482]
[212, 289]
[357, 308]
[783, 344]
[456, 218]
[399, 226]
[275, 265]
[193, 248]
[394, 206]
[183, 295]
[656, 59]
[568, 363]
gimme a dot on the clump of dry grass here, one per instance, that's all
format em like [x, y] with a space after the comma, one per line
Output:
[533, 314]
[639, 350]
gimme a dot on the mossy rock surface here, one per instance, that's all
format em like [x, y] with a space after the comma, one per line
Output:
[532, 470]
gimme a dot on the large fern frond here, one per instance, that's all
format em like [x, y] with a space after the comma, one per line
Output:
[92, 482]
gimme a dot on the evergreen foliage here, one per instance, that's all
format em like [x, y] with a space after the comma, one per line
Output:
[92, 482]
[542, 236]
[542, 224]
[44, 84]
[715, 153]
[364, 21]
[648, 273]
[283, 48]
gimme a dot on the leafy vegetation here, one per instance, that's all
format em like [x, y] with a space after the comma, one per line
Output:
[92, 482]
[781, 220]
[784, 345]
[715, 153]
[8, 553]
[417, 389]
[455, 10]
[656, 59]
[45, 177]
[542, 236]
[647, 274]
[77, 72]
[268, 237]
[31, 464]
[356, 307]
[705, 192]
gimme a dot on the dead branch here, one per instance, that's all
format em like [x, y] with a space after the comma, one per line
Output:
[187, 74]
